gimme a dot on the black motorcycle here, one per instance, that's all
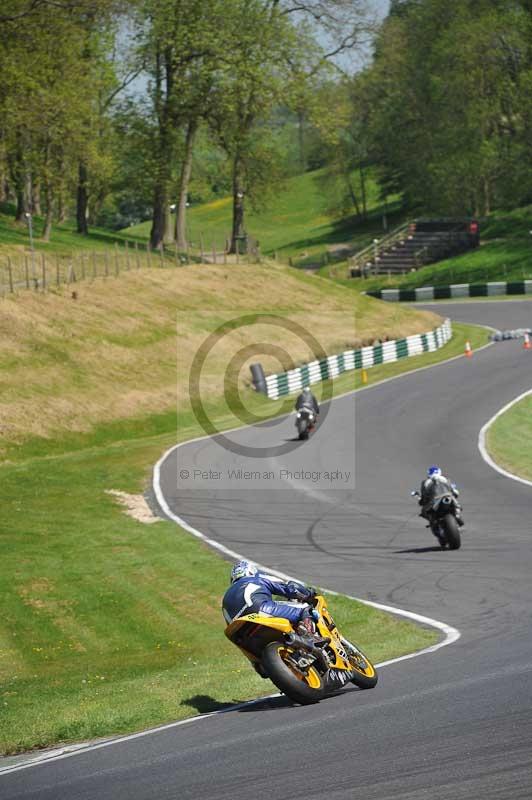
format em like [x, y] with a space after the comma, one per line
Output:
[305, 423]
[441, 516]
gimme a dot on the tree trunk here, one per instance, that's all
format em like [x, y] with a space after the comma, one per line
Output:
[186, 170]
[301, 139]
[237, 232]
[169, 233]
[82, 200]
[36, 197]
[4, 183]
[162, 228]
[486, 191]
[353, 195]
[363, 191]
[48, 216]
[21, 204]
[21, 190]
[62, 210]
[160, 204]
[165, 154]
[18, 172]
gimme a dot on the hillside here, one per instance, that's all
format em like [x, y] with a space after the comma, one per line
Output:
[110, 354]
[297, 223]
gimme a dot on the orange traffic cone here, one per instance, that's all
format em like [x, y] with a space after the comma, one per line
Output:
[527, 344]
[468, 351]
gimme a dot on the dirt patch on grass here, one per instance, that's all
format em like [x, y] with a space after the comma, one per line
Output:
[135, 506]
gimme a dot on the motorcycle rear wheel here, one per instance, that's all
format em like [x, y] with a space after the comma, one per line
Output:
[301, 687]
[366, 676]
[452, 533]
[303, 435]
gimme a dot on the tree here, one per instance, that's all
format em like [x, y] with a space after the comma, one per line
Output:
[182, 42]
[448, 81]
[47, 94]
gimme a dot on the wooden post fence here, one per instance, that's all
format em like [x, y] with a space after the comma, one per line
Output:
[10, 274]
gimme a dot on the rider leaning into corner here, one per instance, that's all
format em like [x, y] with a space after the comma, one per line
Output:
[435, 485]
[307, 400]
[251, 591]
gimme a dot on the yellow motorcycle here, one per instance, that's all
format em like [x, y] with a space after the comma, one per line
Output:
[305, 669]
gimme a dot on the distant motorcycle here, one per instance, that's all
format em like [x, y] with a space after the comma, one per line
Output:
[305, 423]
[442, 520]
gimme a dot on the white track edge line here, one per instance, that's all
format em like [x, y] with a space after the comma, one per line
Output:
[482, 441]
[450, 634]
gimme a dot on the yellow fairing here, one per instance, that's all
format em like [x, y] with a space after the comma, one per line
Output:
[279, 623]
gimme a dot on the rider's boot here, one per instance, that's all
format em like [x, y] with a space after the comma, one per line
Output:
[306, 627]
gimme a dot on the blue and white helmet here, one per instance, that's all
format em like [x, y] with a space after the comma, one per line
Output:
[434, 471]
[243, 569]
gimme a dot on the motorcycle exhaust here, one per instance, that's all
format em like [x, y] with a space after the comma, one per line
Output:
[297, 641]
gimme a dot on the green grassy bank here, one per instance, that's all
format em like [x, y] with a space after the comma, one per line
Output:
[509, 439]
[96, 637]
[297, 223]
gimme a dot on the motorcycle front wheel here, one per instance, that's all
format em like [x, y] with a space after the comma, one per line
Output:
[365, 673]
[452, 533]
[302, 686]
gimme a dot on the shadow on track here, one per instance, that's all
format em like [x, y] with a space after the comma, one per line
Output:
[280, 702]
[203, 703]
[434, 549]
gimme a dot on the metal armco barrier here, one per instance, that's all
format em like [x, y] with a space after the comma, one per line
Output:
[284, 383]
[427, 293]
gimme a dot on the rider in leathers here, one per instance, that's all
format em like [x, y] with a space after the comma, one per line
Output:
[434, 486]
[251, 591]
[307, 400]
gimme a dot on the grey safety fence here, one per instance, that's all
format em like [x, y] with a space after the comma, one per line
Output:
[427, 293]
[294, 380]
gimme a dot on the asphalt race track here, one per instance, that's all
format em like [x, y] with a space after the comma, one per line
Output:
[456, 723]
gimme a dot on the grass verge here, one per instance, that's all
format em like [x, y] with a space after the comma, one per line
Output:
[509, 439]
[110, 625]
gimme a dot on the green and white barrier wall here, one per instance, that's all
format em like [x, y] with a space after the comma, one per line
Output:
[284, 383]
[428, 293]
